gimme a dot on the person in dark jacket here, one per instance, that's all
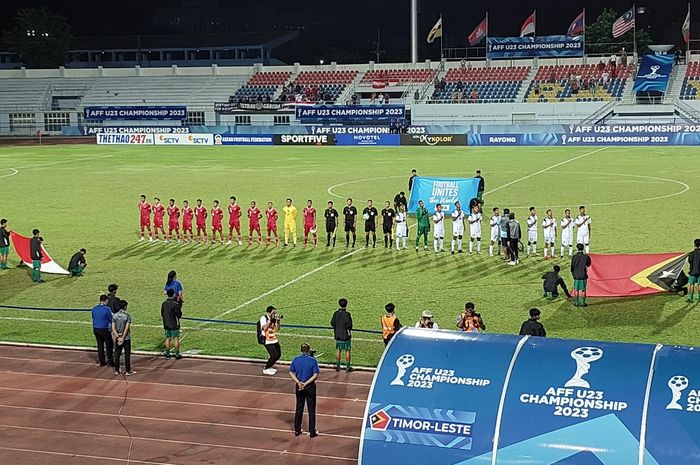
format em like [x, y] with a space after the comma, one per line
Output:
[4, 244]
[514, 235]
[579, 270]
[77, 263]
[112, 299]
[552, 283]
[36, 255]
[102, 329]
[171, 312]
[533, 327]
[694, 271]
[482, 185]
[342, 327]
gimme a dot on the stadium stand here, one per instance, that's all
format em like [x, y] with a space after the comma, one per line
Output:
[691, 82]
[578, 83]
[25, 94]
[483, 84]
[399, 77]
[262, 86]
[324, 86]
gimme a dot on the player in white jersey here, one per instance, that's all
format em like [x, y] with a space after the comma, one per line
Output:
[495, 224]
[475, 229]
[583, 228]
[549, 230]
[401, 221]
[532, 231]
[439, 229]
[567, 233]
[457, 227]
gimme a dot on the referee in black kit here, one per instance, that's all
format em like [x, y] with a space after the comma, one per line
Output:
[304, 371]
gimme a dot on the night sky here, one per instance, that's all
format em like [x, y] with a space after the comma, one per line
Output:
[347, 30]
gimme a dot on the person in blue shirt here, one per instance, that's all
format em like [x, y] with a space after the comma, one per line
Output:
[102, 328]
[174, 284]
[304, 371]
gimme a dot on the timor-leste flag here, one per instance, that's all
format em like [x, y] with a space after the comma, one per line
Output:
[628, 275]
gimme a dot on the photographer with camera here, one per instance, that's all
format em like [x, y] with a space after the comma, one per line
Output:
[470, 321]
[426, 321]
[268, 326]
[304, 371]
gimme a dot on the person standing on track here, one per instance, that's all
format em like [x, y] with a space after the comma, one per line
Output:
[121, 333]
[304, 371]
[390, 323]
[342, 326]
[112, 299]
[173, 283]
[102, 329]
[269, 325]
[171, 312]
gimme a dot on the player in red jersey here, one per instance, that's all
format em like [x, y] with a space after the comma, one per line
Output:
[187, 216]
[158, 212]
[234, 220]
[254, 224]
[217, 216]
[145, 213]
[309, 222]
[173, 221]
[271, 215]
[201, 213]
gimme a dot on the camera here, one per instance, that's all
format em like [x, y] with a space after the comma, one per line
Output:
[429, 324]
[312, 352]
[276, 317]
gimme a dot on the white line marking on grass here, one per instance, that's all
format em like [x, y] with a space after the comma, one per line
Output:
[14, 171]
[330, 189]
[41, 165]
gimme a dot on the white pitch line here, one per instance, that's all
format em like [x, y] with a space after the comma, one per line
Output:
[330, 189]
[14, 171]
[41, 165]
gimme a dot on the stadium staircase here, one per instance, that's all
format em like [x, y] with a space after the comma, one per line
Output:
[676, 82]
[522, 93]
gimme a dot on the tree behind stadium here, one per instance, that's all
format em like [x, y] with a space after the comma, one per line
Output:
[41, 37]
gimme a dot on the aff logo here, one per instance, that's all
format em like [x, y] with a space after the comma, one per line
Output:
[403, 363]
[677, 384]
[654, 73]
[583, 356]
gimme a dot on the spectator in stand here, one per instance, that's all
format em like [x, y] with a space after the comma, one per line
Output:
[460, 85]
[613, 60]
[552, 78]
[474, 96]
[443, 84]
[536, 88]
[605, 78]
[373, 98]
[574, 87]
[416, 96]
[463, 64]
[623, 58]
[386, 99]
[533, 327]
[600, 67]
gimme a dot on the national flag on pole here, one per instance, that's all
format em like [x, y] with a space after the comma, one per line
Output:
[436, 31]
[577, 26]
[624, 23]
[528, 26]
[686, 26]
[627, 275]
[480, 32]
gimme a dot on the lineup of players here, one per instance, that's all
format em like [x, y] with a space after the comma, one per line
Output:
[394, 225]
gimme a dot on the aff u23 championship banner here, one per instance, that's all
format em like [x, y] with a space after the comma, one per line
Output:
[654, 73]
[349, 113]
[133, 113]
[444, 191]
[471, 399]
[528, 47]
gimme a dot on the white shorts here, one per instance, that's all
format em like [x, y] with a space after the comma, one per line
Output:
[583, 239]
[549, 238]
[532, 236]
[495, 235]
[567, 240]
[401, 230]
[474, 233]
[458, 230]
[439, 231]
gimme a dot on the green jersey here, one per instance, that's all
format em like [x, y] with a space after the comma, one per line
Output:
[423, 217]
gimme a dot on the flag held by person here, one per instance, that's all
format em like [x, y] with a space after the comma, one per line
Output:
[686, 26]
[528, 27]
[624, 23]
[578, 25]
[627, 275]
[436, 31]
[479, 32]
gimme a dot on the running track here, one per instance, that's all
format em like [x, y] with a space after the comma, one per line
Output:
[59, 407]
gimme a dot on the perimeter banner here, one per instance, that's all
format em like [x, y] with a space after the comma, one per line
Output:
[133, 113]
[528, 47]
[444, 191]
[349, 113]
[590, 139]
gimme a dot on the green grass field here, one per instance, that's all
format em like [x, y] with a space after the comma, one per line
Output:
[640, 199]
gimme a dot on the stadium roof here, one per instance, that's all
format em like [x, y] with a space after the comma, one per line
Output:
[269, 40]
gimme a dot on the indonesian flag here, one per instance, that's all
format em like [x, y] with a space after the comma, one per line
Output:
[480, 32]
[686, 26]
[628, 275]
[528, 26]
[21, 246]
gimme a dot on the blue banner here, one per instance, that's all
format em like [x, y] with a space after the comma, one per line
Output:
[349, 113]
[133, 113]
[368, 139]
[528, 47]
[592, 139]
[444, 191]
[243, 139]
[91, 131]
[653, 74]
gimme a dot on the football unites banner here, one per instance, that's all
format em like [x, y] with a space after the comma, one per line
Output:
[528, 47]
[471, 399]
[444, 191]
[654, 73]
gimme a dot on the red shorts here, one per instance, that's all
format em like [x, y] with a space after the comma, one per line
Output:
[158, 222]
[307, 228]
[187, 226]
[145, 221]
[216, 227]
[272, 228]
[254, 228]
[201, 226]
[174, 225]
[235, 225]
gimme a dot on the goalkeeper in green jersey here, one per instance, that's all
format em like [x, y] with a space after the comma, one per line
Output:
[423, 218]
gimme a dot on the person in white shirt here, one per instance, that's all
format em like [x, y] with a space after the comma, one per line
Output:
[532, 232]
[475, 230]
[583, 228]
[439, 229]
[549, 228]
[401, 227]
[426, 321]
[567, 233]
[457, 227]
[495, 224]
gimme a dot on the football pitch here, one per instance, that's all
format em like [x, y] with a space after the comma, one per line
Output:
[641, 199]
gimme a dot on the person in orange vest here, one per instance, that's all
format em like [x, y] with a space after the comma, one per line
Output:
[390, 323]
[470, 321]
